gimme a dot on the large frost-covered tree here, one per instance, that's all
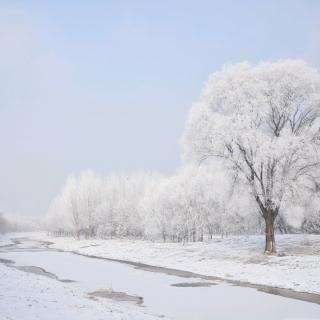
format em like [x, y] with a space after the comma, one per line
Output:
[263, 121]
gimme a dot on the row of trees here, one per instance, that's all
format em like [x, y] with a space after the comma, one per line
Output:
[182, 207]
[251, 151]
[17, 223]
[193, 205]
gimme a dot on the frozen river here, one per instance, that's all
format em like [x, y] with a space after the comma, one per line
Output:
[170, 295]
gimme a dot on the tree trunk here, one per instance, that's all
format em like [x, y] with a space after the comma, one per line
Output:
[270, 246]
[282, 225]
[193, 235]
[269, 213]
[164, 237]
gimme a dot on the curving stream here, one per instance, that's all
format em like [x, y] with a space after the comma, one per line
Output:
[176, 297]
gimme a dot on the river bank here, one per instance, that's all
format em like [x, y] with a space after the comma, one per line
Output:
[35, 277]
[297, 267]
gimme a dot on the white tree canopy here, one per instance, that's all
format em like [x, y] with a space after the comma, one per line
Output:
[264, 120]
[259, 123]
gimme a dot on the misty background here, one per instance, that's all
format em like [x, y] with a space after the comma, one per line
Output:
[107, 85]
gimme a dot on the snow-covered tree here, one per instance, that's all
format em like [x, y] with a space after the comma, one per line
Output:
[3, 223]
[191, 205]
[310, 221]
[194, 204]
[263, 121]
[91, 205]
[10, 222]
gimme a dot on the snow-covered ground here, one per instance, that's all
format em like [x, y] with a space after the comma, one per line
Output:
[296, 267]
[26, 295]
[29, 296]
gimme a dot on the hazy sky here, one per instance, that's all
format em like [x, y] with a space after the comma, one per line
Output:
[107, 85]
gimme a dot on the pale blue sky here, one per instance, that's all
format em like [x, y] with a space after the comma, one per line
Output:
[107, 85]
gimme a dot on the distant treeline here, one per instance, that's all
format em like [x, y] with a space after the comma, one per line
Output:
[193, 205]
